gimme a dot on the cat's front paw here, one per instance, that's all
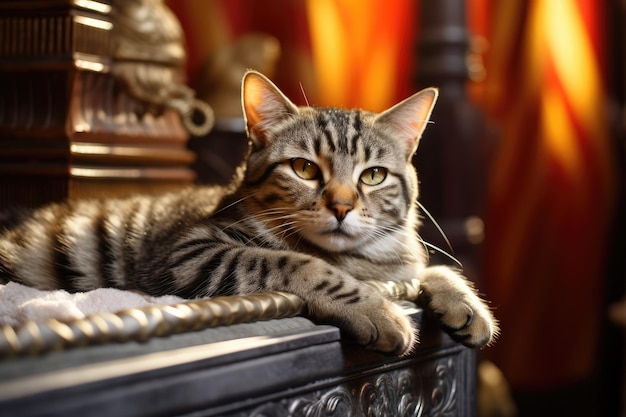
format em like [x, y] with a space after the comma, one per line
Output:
[373, 322]
[361, 312]
[383, 326]
[460, 311]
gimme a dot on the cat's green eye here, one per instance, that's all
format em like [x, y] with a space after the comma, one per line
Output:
[305, 169]
[373, 176]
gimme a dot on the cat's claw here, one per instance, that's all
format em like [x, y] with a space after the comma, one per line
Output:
[461, 313]
[476, 329]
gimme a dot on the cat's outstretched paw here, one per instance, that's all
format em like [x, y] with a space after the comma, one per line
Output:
[375, 323]
[454, 303]
[385, 328]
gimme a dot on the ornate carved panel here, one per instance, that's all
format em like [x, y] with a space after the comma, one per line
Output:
[70, 123]
[436, 388]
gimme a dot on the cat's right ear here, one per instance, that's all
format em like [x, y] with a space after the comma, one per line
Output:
[265, 107]
[405, 122]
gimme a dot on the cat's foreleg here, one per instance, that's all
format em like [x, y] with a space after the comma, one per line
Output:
[455, 303]
[332, 296]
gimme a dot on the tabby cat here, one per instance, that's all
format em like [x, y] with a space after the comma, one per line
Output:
[328, 198]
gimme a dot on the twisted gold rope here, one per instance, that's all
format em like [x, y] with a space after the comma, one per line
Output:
[140, 324]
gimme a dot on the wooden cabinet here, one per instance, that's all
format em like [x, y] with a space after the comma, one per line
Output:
[68, 126]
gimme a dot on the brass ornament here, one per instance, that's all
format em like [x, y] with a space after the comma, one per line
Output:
[149, 54]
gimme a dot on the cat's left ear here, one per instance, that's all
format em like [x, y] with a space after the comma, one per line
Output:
[405, 122]
[265, 107]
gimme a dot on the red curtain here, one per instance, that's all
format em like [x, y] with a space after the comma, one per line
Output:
[550, 194]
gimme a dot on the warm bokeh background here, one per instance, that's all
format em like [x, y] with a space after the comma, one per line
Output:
[345, 53]
[552, 90]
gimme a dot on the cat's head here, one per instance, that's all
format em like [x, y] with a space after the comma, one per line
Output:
[341, 180]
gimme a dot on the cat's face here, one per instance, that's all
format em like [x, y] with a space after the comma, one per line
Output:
[338, 179]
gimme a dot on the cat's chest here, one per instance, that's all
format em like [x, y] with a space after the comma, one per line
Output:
[394, 267]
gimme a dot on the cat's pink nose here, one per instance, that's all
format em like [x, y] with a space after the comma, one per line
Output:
[341, 209]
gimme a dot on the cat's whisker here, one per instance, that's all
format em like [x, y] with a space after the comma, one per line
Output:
[426, 249]
[278, 228]
[259, 216]
[404, 233]
[292, 231]
[427, 246]
[381, 234]
[234, 203]
[434, 222]
[441, 251]
[288, 226]
[306, 100]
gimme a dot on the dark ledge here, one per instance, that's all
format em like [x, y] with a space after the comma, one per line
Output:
[285, 367]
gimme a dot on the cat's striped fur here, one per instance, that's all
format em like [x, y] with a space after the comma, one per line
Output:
[328, 198]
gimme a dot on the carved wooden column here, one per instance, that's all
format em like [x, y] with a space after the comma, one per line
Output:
[451, 158]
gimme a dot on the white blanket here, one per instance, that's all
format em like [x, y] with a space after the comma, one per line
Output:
[19, 304]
